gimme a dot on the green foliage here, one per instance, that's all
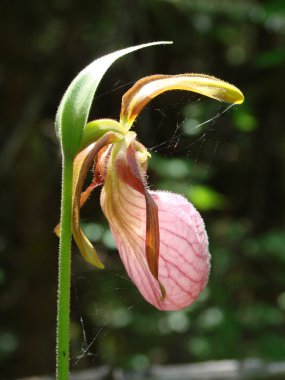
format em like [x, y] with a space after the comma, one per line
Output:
[244, 120]
[206, 198]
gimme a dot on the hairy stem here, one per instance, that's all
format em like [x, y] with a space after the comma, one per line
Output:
[64, 272]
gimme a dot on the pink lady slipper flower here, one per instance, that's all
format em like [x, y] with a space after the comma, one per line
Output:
[160, 236]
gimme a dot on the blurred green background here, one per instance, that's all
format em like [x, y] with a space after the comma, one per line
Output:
[229, 163]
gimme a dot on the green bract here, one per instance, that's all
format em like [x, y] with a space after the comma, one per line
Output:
[74, 108]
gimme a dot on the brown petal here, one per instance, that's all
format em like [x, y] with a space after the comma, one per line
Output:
[82, 163]
[149, 87]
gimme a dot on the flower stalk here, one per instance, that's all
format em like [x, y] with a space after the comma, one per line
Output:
[64, 272]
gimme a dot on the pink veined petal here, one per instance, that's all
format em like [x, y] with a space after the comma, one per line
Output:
[128, 171]
[184, 260]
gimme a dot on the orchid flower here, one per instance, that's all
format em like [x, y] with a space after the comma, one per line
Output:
[160, 236]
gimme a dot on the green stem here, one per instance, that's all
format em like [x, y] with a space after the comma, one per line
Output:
[64, 271]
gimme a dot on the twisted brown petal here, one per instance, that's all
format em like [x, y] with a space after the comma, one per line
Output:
[149, 87]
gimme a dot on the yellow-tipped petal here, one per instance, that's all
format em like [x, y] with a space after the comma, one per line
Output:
[149, 87]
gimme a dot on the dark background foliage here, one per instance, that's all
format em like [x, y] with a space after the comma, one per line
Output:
[232, 168]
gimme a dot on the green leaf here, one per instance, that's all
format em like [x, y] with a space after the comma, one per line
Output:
[205, 198]
[75, 105]
[244, 119]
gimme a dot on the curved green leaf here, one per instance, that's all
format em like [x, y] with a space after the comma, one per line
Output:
[75, 105]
